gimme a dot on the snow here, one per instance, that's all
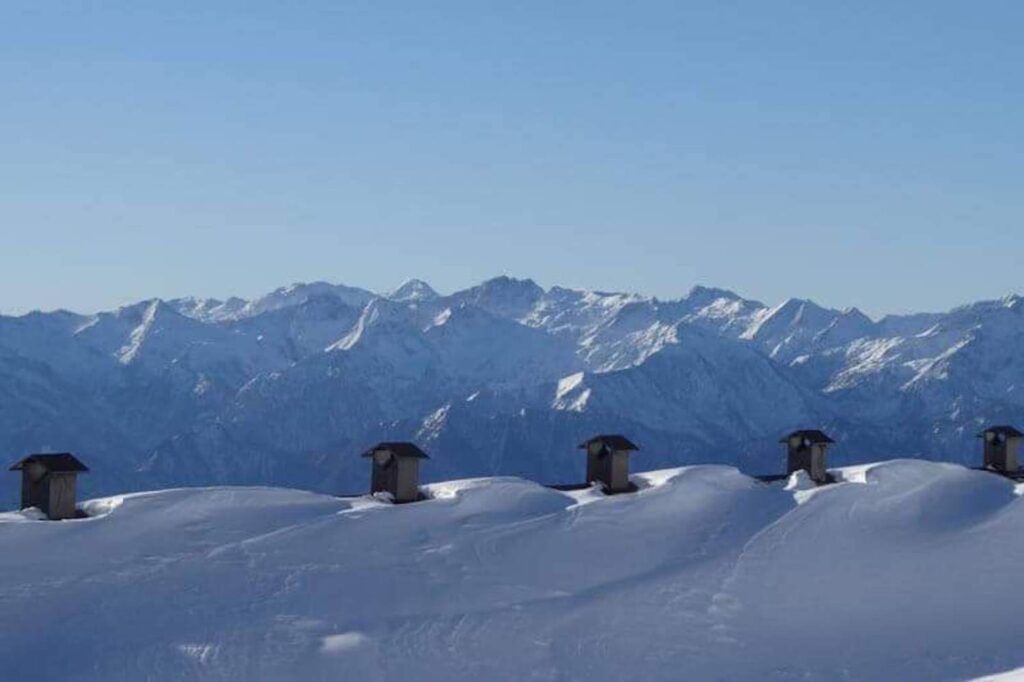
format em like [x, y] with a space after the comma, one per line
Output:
[199, 390]
[413, 290]
[905, 570]
[300, 293]
[433, 424]
[1011, 676]
[138, 335]
[343, 643]
[571, 393]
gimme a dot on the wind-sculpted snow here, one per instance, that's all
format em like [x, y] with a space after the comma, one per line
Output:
[501, 378]
[904, 570]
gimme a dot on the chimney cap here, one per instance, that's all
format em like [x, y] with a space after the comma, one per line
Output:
[613, 441]
[57, 462]
[815, 436]
[401, 450]
[1008, 431]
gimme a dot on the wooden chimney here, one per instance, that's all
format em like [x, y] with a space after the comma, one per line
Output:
[806, 451]
[48, 483]
[608, 461]
[395, 470]
[1001, 444]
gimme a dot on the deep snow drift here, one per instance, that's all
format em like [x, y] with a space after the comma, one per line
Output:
[905, 570]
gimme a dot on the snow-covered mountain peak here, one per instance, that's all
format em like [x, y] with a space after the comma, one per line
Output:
[467, 314]
[209, 309]
[1013, 301]
[701, 296]
[380, 315]
[155, 333]
[612, 299]
[133, 318]
[138, 312]
[297, 294]
[127, 353]
[488, 349]
[794, 311]
[414, 290]
[503, 296]
[855, 312]
[797, 326]
[505, 285]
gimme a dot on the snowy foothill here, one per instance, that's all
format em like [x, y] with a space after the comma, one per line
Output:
[902, 570]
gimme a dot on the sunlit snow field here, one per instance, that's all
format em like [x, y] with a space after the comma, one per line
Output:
[904, 570]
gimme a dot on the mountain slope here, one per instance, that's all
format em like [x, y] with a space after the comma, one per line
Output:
[503, 377]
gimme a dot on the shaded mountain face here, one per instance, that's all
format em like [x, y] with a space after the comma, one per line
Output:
[502, 378]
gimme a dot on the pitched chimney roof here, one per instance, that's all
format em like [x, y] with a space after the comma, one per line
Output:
[613, 441]
[815, 436]
[59, 462]
[398, 449]
[1008, 431]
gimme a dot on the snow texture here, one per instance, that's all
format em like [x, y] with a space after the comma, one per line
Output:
[904, 570]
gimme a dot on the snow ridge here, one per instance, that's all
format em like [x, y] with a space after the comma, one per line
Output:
[898, 572]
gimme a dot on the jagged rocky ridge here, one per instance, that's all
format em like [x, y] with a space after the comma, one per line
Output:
[502, 378]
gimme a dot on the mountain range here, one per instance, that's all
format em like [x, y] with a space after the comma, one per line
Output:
[502, 378]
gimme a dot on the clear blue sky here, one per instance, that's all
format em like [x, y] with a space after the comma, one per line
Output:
[857, 153]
